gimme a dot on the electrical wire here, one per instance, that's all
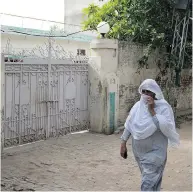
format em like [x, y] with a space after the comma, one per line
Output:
[33, 18]
[60, 36]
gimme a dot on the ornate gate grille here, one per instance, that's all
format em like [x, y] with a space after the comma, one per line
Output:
[43, 98]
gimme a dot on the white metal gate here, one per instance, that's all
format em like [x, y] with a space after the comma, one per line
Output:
[42, 99]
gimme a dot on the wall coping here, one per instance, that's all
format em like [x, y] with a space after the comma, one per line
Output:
[104, 44]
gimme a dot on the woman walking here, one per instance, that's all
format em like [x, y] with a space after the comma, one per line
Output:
[151, 125]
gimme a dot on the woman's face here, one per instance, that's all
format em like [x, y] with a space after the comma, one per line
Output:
[148, 93]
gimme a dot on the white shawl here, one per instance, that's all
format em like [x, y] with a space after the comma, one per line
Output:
[139, 122]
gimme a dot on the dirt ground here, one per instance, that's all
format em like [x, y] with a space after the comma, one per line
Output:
[89, 162]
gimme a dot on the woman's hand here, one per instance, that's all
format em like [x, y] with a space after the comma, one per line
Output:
[123, 149]
[151, 105]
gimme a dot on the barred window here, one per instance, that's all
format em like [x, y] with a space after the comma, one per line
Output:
[81, 52]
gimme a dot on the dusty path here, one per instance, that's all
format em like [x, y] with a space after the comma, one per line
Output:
[89, 162]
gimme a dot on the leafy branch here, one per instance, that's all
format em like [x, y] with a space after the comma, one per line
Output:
[146, 22]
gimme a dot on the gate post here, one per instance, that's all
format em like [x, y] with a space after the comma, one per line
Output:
[2, 100]
[47, 131]
[104, 86]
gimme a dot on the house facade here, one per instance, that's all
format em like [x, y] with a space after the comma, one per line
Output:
[15, 39]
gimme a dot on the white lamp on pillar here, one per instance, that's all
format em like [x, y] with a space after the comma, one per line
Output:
[103, 28]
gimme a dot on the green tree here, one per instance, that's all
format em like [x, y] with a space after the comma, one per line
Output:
[148, 22]
[143, 21]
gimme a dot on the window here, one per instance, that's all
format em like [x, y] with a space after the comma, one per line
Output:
[81, 52]
[10, 58]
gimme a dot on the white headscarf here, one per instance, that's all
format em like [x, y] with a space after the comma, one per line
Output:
[139, 122]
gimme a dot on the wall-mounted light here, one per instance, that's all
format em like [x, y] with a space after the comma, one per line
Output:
[103, 28]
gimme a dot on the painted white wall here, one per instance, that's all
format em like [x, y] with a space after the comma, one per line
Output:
[29, 42]
[72, 6]
[73, 10]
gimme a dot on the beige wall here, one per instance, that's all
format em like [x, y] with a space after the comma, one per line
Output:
[129, 80]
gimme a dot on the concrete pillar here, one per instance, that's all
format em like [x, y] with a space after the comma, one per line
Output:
[104, 86]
